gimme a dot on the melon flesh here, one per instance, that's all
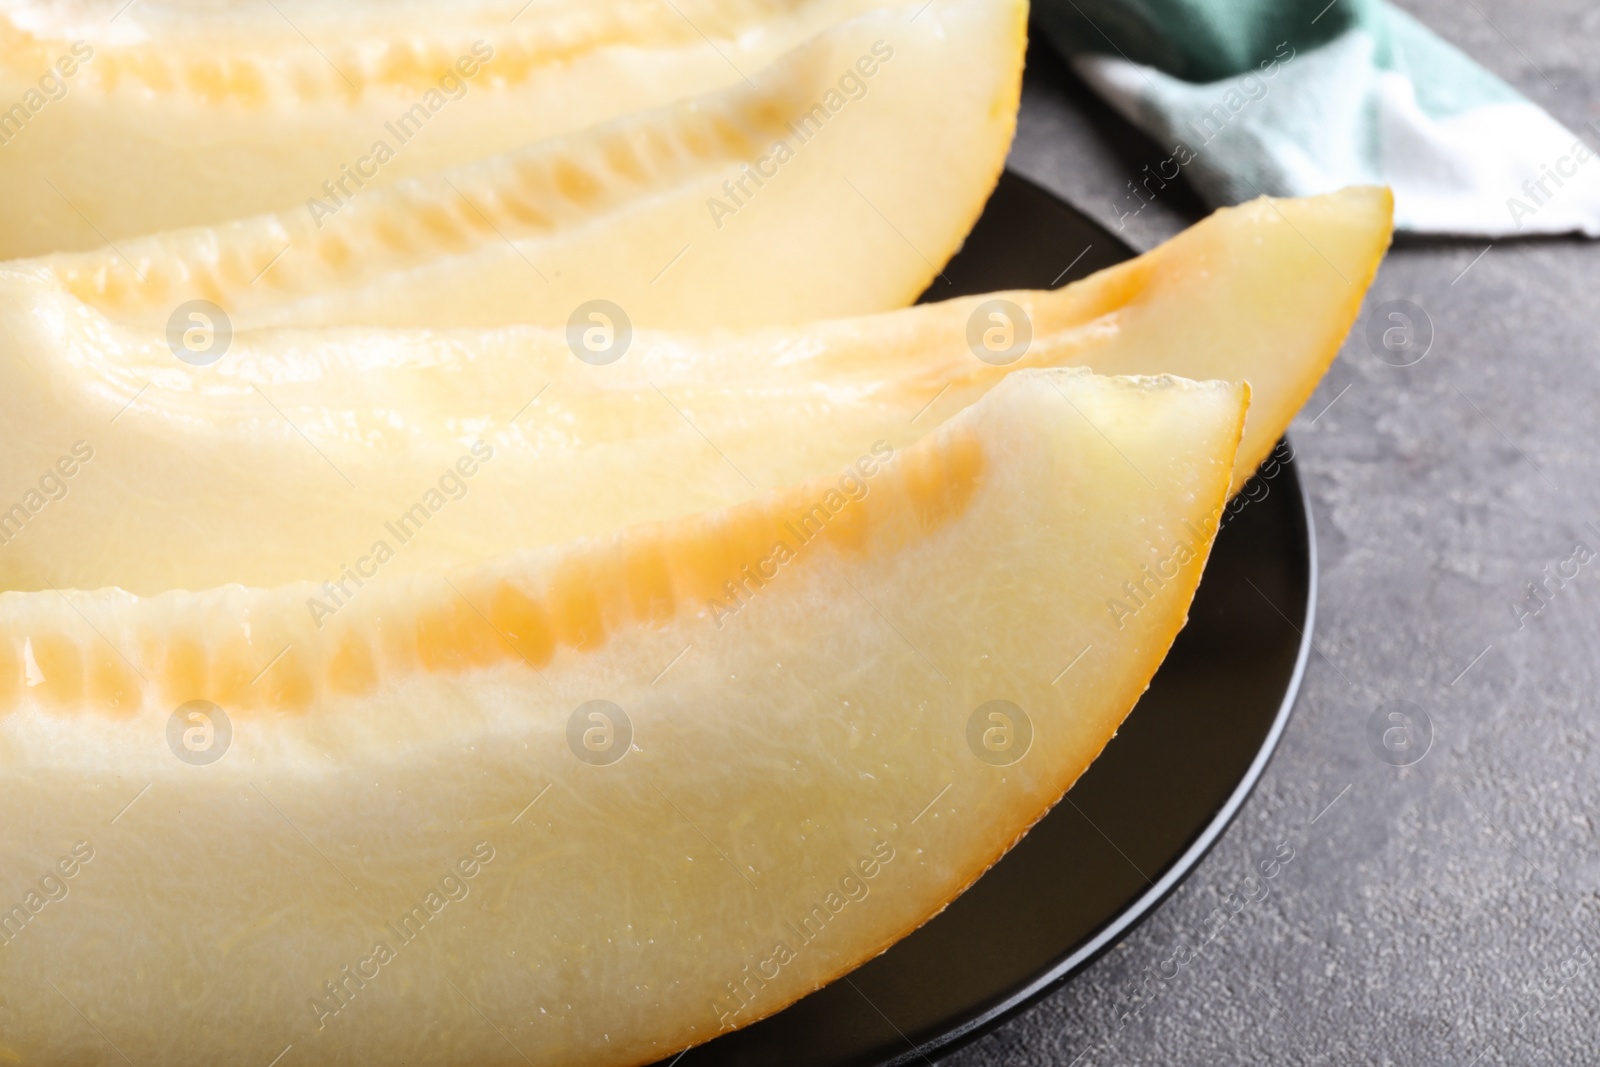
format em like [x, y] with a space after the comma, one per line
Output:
[809, 749]
[836, 182]
[245, 463]
[188, 114]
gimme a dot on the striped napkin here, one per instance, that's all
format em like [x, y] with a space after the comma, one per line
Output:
[1292, 98]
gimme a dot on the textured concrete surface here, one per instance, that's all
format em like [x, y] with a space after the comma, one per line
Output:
[1444, 912]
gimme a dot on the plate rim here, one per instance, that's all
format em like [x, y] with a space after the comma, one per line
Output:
[1081, 958]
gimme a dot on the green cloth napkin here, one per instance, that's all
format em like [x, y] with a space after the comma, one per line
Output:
[1292, 98]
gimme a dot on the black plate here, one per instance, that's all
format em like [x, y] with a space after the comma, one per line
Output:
[1148, 809]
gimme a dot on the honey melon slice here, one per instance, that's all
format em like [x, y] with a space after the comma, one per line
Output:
[244, 463]
[411, 835]
[836, 182]
[185, 114]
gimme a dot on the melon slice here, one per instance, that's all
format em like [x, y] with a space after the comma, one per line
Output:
[836, 182]
[286, 459]
[423, 840]
[217, 111]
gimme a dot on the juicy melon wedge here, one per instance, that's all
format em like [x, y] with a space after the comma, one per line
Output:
[249, 458]
[802, 778]
[836, 182]
[218, 111]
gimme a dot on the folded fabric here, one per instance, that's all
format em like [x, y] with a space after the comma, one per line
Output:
[1292, 98]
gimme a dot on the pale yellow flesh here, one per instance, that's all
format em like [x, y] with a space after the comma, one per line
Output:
[244, 464]
[177, 115]
[822, 725]
[893, 126]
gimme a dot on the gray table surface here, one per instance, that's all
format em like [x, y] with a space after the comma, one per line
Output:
[1446, 912]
